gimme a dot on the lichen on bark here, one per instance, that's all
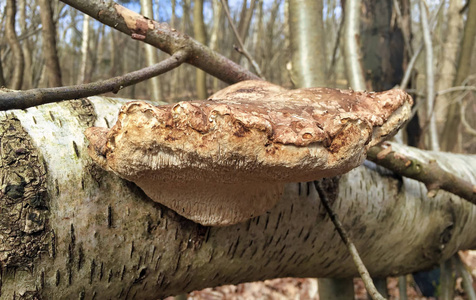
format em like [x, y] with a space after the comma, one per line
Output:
[24, 201]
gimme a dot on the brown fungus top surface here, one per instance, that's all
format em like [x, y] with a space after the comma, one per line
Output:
[250, 125]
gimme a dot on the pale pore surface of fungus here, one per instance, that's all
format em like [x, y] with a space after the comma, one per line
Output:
[225, 160]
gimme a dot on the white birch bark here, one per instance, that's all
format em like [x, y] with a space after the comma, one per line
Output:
[69, 229]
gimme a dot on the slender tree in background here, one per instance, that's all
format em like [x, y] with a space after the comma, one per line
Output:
[201, 36]
[447, 60]
[50, 53]
[151, 53]
[218, 23]
[430, 78]
[308, 47]
[18, 61]
[352, 56]
[450, 134]
[308, 70]
[2, 78]
[84, 50]
[28, 73]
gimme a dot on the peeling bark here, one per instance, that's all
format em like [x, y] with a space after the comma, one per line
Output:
[111, 241]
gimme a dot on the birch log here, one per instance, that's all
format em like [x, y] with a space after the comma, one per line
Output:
[70, 230]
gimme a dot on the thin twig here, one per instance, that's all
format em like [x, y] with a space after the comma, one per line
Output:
[34, 97]
[335, 48]
[242, 48]
[364, 274]
[457, 89]
[431, 174]
[416, 54]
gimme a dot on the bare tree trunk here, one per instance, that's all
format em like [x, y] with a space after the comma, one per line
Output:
[49, 44]
[176, 72]
[2, 78]
[307, 46]
[18, 62]
[352, 54]
[28, 71]
[98, 56]
[201, 36]
[430, 79]
[68, 228]
[382, 45]
[453, 118]
[216, 27]
[448, 59]
[151, 53]
[84, 50]
[112, 50]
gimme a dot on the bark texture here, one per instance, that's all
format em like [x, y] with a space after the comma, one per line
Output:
[94, 235]
[382, 45]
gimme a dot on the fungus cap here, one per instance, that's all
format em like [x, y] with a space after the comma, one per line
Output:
[225, 160]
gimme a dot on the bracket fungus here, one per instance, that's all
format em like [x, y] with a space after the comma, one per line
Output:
[225, 160]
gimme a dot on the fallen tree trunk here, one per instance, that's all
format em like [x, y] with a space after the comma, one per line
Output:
[69, 229]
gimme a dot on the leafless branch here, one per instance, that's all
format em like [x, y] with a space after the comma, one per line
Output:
[416, 54]
[335, 48]
[431, 174]
[457, 89]
[162, 36]
[242, 48]
[34, 97]
[364, 273]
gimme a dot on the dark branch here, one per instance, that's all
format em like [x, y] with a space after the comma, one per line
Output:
[34, 97]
